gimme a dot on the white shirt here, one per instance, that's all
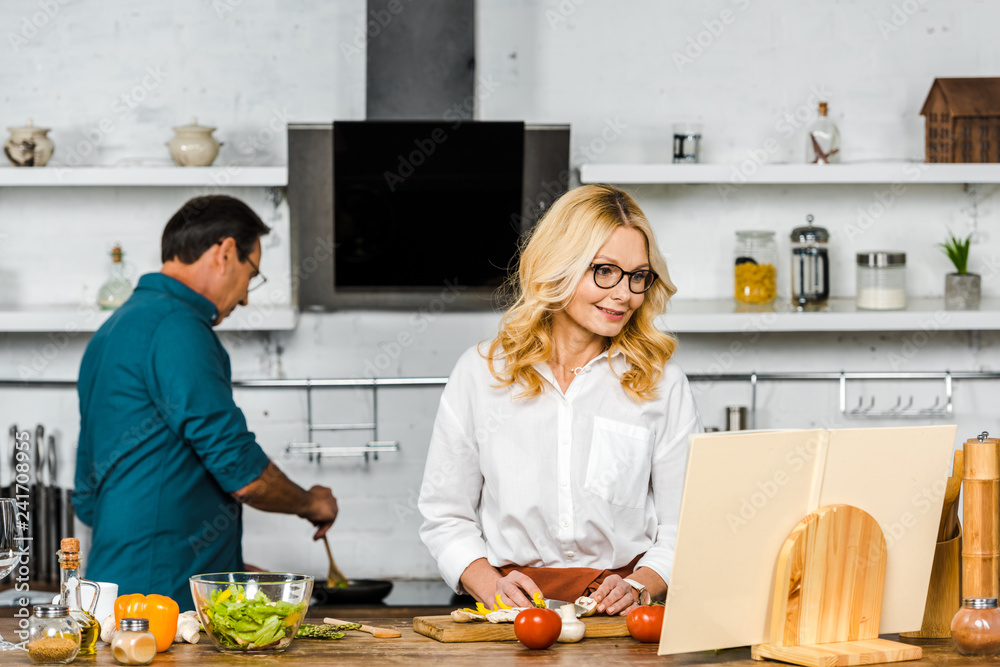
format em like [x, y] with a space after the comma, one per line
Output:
[589, 478]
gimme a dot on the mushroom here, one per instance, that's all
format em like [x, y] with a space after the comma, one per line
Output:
[188, 627]
[504, 615]
[587, 603]
[108, 629]
[572, 627]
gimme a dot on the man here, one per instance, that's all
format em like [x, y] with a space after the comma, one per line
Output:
[165, 457]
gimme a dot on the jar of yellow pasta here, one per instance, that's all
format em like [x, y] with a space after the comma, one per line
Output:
[756, 274]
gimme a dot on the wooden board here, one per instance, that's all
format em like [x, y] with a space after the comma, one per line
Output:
[866, 652]
[443, 629]
[829, 579]
[727, 542]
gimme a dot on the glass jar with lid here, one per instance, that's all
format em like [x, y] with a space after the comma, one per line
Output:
[755, 259]
[53, 635]
[881, 280]
[134, 644]
[975, 628]
[810, 266]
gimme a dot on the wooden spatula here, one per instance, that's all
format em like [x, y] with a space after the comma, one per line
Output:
[381, 633]
[948, 526]
[333, 574]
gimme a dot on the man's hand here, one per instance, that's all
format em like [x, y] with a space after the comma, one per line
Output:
[274, 492]
[322, 510]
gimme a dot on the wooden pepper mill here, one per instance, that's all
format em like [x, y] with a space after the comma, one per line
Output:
[981, 512]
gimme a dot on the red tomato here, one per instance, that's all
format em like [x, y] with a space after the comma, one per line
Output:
[645, 623]
[537, 628]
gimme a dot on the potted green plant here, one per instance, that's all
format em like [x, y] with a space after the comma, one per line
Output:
[962, 290]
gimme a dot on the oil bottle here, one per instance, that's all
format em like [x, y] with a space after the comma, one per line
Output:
[69, 594]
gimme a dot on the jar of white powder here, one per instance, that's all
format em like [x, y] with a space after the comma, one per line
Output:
[881, 280]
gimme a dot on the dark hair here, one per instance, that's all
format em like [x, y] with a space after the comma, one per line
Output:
[204, 221]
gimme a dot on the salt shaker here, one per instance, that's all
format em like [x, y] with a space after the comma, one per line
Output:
[134, 644]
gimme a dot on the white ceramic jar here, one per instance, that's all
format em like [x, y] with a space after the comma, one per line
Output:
[28, 146]
[193, 145]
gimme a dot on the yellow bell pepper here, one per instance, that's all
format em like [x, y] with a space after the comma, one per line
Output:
[159, 610]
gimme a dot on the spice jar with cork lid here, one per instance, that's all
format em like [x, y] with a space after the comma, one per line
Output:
[134, 644]
[975, 629]
[53, 635]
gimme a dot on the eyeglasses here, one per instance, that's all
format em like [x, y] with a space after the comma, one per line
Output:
[256, 280]
[607, 276]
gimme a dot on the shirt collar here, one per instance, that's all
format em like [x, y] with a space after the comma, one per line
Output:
[164, 284]
[615, 358]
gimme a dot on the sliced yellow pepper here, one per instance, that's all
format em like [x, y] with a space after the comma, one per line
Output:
[539, 602]
[500, 604]
[224, 595]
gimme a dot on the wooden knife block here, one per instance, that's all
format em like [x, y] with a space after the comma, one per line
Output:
[944, 594]
[827, 600]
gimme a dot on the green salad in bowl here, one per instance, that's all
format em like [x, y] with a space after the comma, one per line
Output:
[251, 611]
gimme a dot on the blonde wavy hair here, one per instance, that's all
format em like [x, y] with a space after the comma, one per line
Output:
[552, 262]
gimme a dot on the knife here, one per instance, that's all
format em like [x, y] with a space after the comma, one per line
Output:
[55, 514]
[556, 605]
[39, 509]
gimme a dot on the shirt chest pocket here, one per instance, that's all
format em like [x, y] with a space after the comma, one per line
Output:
[619, 466]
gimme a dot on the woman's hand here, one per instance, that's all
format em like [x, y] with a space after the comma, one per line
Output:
[615, 596]
[516, 589]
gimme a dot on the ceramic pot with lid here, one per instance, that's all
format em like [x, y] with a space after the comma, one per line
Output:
[810, 266]
[193, 145]
[28, 146]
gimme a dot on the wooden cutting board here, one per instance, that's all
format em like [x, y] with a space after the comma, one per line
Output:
[443, 629]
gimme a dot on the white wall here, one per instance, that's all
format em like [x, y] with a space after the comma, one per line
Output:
[604, 67]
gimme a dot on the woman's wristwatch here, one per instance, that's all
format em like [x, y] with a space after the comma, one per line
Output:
[640, 592]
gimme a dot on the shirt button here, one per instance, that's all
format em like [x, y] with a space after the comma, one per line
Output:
[565, 524]
[570, 554]
[564, 441]
[565, 402]
[563, 483]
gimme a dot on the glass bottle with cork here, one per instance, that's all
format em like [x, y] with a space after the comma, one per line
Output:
[116, 289]
[69, 595]
[822, 139]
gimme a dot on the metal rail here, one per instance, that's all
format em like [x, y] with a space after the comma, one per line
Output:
[375, 446]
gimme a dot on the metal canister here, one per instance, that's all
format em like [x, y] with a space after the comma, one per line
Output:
[810, 266]
[736, 418]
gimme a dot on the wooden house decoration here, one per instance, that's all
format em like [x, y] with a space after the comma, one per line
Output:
[962, 120]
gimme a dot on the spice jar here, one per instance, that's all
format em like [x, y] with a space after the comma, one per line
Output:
[810, 266]
[881, 280]
[53, 635]
[134, 644]
[975, 629]
[755, 272]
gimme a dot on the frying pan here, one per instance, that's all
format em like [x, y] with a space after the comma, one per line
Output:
[358, 591]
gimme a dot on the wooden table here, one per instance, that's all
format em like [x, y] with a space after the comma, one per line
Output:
[357, 649]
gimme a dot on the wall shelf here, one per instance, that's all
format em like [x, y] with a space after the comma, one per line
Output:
[84, 319]
[219, 176]
[722, 316]
[790, 174]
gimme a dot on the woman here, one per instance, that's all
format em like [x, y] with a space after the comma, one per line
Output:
[558, 453]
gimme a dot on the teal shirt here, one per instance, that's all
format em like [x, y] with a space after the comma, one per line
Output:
[162, 445]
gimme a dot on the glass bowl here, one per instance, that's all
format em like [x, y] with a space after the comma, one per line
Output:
[251, 611]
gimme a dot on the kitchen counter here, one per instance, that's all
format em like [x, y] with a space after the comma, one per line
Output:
[359, 648]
